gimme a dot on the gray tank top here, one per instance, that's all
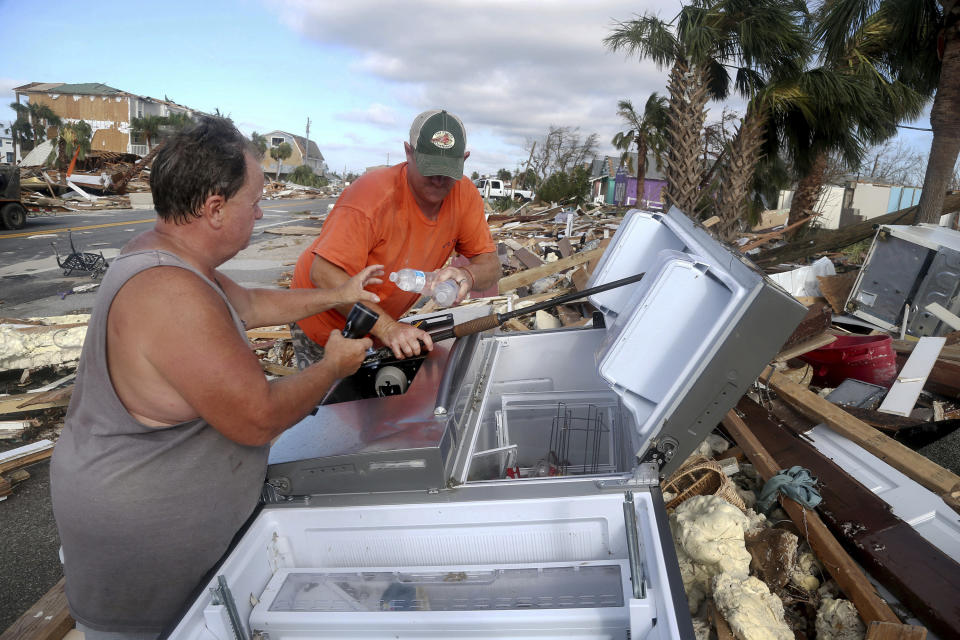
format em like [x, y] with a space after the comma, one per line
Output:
[143, 512]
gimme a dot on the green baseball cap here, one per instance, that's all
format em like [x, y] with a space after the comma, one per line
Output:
[439, 142]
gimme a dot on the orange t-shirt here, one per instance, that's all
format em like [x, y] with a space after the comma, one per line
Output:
[377, 221]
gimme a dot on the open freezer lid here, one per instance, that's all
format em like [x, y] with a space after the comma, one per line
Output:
[684, 343]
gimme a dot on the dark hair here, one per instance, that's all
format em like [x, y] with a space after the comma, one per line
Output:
[196, 163]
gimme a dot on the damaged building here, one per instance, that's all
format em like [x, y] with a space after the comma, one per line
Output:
[107, 110]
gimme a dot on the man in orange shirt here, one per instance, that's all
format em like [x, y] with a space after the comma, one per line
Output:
[414, 214]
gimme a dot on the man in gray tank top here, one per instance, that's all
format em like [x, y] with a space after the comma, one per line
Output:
[164, 449]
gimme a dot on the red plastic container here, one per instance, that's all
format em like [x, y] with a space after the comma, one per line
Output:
[865, 358]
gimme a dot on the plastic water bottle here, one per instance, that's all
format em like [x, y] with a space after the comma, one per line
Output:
[444, 292]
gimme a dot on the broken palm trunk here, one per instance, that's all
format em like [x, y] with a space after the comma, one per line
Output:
[833, 240]
[736, 176]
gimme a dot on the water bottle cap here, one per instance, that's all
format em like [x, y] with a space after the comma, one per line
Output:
[394, 277]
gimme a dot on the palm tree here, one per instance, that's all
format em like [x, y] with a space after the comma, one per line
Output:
[918, 43]
[850, 107]
[757, 39]
[647, 131]
[73, 141]
[149, 127]
[32, 121]
[259, 141]
[280, 153]
[178, 120]
[20, 130]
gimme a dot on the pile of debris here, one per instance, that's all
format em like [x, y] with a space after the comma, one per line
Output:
[829, 468]
[275, 190]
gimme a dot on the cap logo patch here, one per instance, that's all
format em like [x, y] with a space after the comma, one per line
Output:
[443, 139]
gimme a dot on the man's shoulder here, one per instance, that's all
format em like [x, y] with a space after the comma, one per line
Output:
[377, 181]
[466, 194]
[373, 187]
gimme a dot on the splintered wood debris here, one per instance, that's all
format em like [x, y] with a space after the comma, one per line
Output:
[787, 574]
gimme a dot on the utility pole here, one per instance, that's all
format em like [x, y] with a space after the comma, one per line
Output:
[307, 150]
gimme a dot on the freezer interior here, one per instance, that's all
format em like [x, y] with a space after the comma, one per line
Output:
[541, 416]
[537, 565]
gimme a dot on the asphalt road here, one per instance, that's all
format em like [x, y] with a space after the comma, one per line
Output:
[31, 285]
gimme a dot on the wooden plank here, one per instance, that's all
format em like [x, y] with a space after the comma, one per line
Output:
[514, 324]
[840, 565]
[763, 238]
[277, 369]
[920, 575]
[719, 622]
[523, 278]
[27, 454]
[48, 618]
[927, 473]
[580, 278]
[836, 289]
[944, 315]
[269, 334]
[568, 316]
[805, 347]
[884, 421]
[592, 264]
[949, 352]
[809, 301]
[528, 258]
[565, 249]
[35, 401]
[5, 488]
[890, 631]
[13, 428]
[903, 395]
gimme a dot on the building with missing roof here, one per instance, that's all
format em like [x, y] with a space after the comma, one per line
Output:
[108, 111]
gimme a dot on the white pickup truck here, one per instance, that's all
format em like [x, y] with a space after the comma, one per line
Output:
[498, 189]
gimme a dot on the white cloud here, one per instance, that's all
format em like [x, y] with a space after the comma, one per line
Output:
[508, 69]
[376, 114]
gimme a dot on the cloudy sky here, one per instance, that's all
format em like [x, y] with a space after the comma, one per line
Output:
[360, 70]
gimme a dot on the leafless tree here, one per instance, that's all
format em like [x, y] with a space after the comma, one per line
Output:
[560, 150]
[894, 162]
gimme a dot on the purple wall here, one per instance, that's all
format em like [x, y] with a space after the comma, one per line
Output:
[627, 186]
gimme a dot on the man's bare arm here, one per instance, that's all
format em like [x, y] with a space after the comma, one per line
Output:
[265, 307]
[403, 339]
[186, 347]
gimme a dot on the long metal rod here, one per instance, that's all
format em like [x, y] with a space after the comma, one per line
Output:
[633, 546]
[568, 297]
[495, 320]
[238, 629]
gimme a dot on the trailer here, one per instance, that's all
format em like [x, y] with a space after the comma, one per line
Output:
[13, 215]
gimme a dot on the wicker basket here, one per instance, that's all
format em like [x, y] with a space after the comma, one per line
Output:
[701, 476]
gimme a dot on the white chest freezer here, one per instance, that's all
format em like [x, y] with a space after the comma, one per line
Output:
[513, 490]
